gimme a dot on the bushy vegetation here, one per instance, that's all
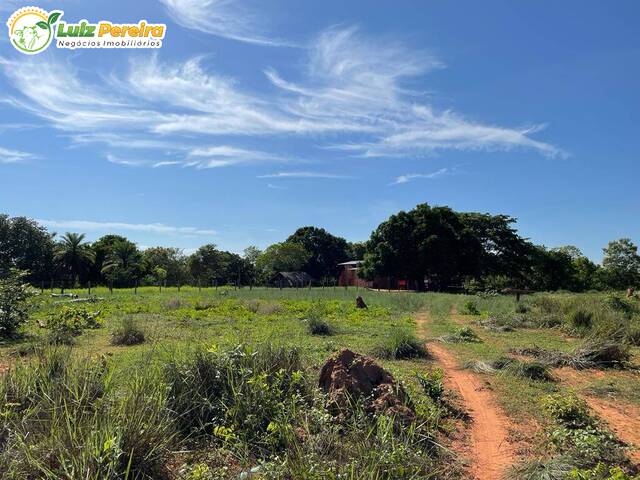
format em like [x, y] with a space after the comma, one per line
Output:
[69, 322]
[402, 343]
[128, 333]
[244, 406]
[14, 302]
[462, 335]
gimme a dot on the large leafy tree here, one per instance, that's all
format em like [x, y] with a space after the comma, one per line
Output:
[208, 265]
[205, 264]
[27, 246]
[621, 264]
[123, 265]
[325, 251]
[169, 259]
[282, 257]
[444, 247]
[73, 257]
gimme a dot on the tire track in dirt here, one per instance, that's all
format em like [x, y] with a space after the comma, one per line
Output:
[491, 452]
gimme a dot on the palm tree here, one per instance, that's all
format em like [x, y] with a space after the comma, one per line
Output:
[73, 256]
[122, 263]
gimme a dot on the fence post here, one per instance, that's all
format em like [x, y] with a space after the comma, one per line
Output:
[89, 287]
[135, 289]
[111, 287]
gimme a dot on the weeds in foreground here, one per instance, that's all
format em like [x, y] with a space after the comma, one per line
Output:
[254, 408]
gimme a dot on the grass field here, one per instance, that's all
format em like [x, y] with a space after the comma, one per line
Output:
[223, 384]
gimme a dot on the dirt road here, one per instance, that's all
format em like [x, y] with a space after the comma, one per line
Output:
[490, 451]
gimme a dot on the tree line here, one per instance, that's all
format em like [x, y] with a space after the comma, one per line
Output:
[433, 247]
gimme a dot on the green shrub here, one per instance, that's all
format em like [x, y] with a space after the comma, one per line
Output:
[318, 326]
[14, 302]
[600, 472]
[400, 345]
[470, 307]
[530, 370]
[567, 409]
[432, 384]
[618, 304]
[128, 333]
[241, 396]
[69, 322]
[581, 319]
[462, 335]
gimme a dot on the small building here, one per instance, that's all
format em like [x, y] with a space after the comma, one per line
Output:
[349, 278]
[349, 275]
[291, 279]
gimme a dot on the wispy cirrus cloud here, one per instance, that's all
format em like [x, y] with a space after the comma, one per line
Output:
[230, 19]
[8, 155]
[205, 157]
[412, 176]
[156, 228]
[354, 96]
[360, 82]
[305, 175]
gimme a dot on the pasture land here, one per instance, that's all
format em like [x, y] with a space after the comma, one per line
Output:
[222, 384]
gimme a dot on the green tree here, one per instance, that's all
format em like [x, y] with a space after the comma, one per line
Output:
[356, 250]
[14, 302]
[621, 264]
[444, 247]
[324, 250]
[205, 264]
[27, 246]
[122, 267]
[170, 259]
[282, 257]
[102, 248]
[73, 256]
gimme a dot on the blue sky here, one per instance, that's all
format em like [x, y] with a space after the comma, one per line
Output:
[256, 118]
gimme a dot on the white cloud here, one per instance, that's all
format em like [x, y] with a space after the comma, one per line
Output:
[224, 18]
[125, 161]
[157, 228]
[8, 155]
[304, 175]
[360, 84]
[354, 91]
[411, 176]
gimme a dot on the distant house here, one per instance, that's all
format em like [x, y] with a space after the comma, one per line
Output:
[349, 275]
[291, 279]
[349, 278]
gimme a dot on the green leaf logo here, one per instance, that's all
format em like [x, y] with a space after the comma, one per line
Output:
[53, 18]
[43, 25]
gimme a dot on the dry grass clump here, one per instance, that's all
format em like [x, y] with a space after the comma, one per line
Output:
[527, 370]
[592, 354]
[462, 335]
[128, 333]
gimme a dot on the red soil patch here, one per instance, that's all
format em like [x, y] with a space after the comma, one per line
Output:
[490, 450]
